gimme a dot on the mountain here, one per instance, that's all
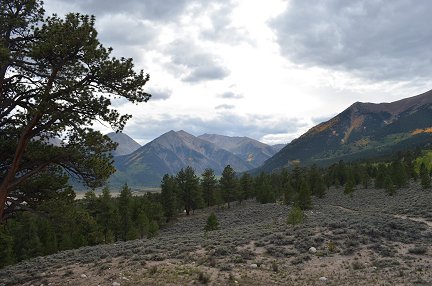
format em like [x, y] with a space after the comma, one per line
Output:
[169, 153]
[246, 148]
[362, 130]
[278, 147]
[126, 145]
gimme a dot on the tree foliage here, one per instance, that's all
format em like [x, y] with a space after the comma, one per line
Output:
[56, 80]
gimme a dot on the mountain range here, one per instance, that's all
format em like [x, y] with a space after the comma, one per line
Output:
[361, 131]
[172, 151]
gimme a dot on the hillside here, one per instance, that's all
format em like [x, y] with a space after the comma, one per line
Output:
[126, 145]
[367, 239]
[362, 130]
[248, 149]
[169, 153]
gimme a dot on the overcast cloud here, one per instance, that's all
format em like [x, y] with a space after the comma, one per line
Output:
[374, 39]
[269, 70]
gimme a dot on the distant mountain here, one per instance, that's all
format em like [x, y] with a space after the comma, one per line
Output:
[363, 130]
[126, 145]
[278, 147]
[246, 148]
[169, 153]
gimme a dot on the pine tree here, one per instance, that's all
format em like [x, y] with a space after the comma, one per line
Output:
[316, 182]
[398, 174]
[349, 187]
[125, 215]
[246, 187]
[229, 185]
[169, 193]
[304, 196]
[208, 186]
[189, 191]
[212, 223]
[105, 215]
[389, 186]
[424, 176]
[287, 189]
[6, 248]
[153, 229]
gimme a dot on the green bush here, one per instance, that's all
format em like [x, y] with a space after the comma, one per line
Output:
[212, 223]
[295, 216]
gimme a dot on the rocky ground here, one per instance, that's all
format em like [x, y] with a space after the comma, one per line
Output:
[367, 239]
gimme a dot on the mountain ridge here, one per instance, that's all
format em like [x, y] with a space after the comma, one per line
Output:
[170, 152]
[362, 128]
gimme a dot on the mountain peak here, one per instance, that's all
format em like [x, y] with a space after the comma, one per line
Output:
[361, 131]
[126, 144]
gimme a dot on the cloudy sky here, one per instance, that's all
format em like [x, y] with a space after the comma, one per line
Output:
[268, 70]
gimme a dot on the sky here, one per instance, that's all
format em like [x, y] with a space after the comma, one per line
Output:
[268, 70]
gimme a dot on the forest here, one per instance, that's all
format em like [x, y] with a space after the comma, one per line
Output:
[67, 223]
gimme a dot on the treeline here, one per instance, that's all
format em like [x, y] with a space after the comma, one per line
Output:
[65, 223]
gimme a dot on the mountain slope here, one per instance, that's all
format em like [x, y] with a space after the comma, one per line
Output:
[360, 131]
[169, 153]
[126, 145]
[246, 148]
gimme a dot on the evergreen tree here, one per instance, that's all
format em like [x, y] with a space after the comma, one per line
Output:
[153, 229]
[125, 215]
[349, 187]
[212, 223]
[246, 187]
[287, 189]
[304, 197]
[389, 186]
[106, 215]
[208, 186]
[56, 79]
[229, 185]
[424, 176]
[142, 224]
[398, 174]
[264, 190]
[7, 255]
[189, 190]
[381, 175]
[169, 193]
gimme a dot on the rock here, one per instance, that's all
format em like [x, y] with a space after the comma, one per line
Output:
[312, 250]
[115, 284]
[83, 276]
[253, 266]
[323, 279]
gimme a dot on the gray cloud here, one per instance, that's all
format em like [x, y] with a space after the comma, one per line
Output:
[253, 126]
[225, 106]
[376, 40]
[159, 93]
[155, 10]
[192, 64]
[222, 29]
[230, 95]
[320, 119]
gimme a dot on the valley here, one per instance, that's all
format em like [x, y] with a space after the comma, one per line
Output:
[367, 239]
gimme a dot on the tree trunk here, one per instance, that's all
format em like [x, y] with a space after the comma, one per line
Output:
[19, 152]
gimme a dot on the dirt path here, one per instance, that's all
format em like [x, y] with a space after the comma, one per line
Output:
[416, 219]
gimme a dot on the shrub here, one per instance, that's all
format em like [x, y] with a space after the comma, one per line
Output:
[418, 250]
[295, 216]
[204, 278]
[212, 223]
